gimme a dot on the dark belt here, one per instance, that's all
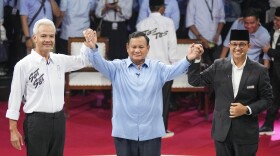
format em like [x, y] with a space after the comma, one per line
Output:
[46, 115]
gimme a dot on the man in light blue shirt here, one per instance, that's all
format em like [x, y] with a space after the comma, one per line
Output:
[28, 9]
[259, 36]
[74, 21]
[171, 11]
[137, 93]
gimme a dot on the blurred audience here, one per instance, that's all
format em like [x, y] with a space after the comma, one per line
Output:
[205, 20]
[259, 36]
[115, 14]
[171, 11]
[73, 20]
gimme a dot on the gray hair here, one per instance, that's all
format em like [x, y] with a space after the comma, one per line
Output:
[40, 22]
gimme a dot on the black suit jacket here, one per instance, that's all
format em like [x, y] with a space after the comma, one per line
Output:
[275, 53]
[254, 91]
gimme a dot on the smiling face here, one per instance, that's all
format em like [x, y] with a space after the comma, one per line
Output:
[276, 22]
[239, 49]
[137, 49]
[44, 39]
[251, 23]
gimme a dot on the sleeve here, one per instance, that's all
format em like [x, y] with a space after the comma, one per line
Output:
[17, 92]
[63, 5]
[126, 7]
[190, 13]
[204, 78]
[221, 12]
[107, 68]
[24, 7]
[144, 11]
[72, 63]
[265, 41]
[264, 92]
[1, 12]
[274, 53]
[175, 14]
[172, 45]
[100, 5]
[93, 5]
[170, 72]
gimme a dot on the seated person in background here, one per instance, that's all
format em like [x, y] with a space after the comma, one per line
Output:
[259, 36]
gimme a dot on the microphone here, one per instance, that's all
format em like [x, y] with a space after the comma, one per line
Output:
[48, 62]
[138, 74]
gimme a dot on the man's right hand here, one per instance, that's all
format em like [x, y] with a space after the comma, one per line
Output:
[16, 138]
[195, 51]
[91, 38]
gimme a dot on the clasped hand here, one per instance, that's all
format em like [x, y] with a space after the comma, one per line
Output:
[195, 51]
[91, 38]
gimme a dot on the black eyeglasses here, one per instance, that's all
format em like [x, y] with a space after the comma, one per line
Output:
[241, 45]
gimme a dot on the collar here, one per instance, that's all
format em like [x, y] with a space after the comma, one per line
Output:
[130, 63]
[155, 14]
[38, 58]
[234, 66]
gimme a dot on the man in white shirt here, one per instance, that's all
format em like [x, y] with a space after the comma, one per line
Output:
[163, 46]
[39, 78]
[205, 20]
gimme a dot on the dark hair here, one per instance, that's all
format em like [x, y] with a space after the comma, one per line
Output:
[155, 8]
[251, 12]
[138, 34]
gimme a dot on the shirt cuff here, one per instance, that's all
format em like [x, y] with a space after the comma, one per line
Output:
[12, 114]
[197, 60]
[250, 111]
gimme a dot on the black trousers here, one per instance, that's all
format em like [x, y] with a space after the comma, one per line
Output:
[117, 34]
[44, 133]
[273, 110]
[166, 91]
[230, 148]
[125, 147]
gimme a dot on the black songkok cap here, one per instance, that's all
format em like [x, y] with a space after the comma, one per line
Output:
[277, 12]
[156, 2]
[239, 35]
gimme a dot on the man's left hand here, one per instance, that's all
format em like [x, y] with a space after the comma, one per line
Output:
[91, 38]
[237, 109]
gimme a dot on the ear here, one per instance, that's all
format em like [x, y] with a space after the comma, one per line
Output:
[34, 38]
[162, 9]
[127, 47]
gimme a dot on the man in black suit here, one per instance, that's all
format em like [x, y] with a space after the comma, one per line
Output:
[243, 91]
[274, 52]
